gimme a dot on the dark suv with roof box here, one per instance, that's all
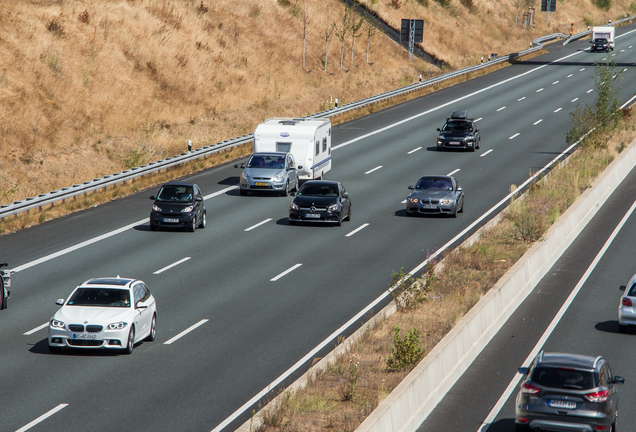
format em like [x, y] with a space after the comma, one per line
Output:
[458, 132]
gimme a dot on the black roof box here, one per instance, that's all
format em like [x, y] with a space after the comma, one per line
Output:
[457, 114]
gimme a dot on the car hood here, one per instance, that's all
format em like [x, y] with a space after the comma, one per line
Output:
[303, 201]
[425, 195]
[263, 172]
[456, 134]
[92, 314]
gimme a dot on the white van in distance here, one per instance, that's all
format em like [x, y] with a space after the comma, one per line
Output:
[307, 139]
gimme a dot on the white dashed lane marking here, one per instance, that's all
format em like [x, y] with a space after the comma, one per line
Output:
[289, 270]
[186, 331]
[361, 227]
[374, 169]
[537, 122]
[414, 150]
[515, 135]
[557, 110]
[485, 153]
[258, 224]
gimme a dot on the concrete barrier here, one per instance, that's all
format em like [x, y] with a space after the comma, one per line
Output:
[412, 401]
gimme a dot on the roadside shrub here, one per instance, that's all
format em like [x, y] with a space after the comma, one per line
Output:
[55, 26]
[588, 20]
[408, 292]
[348, 389]
[407, 351]
[444, 3]
[422, 2]
[632, 8]
[603, 4]
[84, 17]
[528, 223]
[467, 3]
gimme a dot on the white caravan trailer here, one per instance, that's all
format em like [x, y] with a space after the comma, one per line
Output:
[308, 140]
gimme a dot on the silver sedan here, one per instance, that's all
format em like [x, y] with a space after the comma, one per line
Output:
[435, 195]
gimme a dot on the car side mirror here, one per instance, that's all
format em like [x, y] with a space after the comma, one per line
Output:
[411, 188]
[292, 193]
[243, 166]
[199, 199]
[235, 165]
[153, 197]
[476, 130]
[300, 167]
[59, 302]
[141, 305]
[524, 370]
[439, 130]
[345, 195]
[619, 380]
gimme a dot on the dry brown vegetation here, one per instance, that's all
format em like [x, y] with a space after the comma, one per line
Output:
[92, 87]
[467, 273]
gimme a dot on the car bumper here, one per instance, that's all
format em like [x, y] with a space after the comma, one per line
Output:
[262, 185]
[322, 217]
[447, 209]
[105, 339]
[449, 144]
[626, 316]
[180, 220]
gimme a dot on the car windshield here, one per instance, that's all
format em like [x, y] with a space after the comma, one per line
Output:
[434, 184]
[458, 126]
[272, 162]
[600, 40]
[101, 297]
[175, 194]
[563, 378]
[318, 190]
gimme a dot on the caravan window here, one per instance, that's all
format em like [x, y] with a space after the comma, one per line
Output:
[317, 148]
[324, 144]
[283, 147]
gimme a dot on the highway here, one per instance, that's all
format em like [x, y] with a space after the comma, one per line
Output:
[242, 301]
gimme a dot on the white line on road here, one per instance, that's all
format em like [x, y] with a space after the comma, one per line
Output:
[541, 89]
[537, 122]
[557, 110]
[414, 150]
[622, 50]
[42, 418]
[569, 76]
[404, 202]
[581, 70]
[589, 91]
[374, 169]
[453, 172]
[37, 329]
[361, 227]
[289, 270]
[514, 136]
[172, 265]
[513, 384]
[574, 100]
[258, 224]
[556, 82]
[482, 155]
[502, 108]
[186, 331]
[519, 100]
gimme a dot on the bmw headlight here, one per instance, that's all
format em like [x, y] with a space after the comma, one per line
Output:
[333, 207]
[446, 201]
[293, 206]
[413, 200]
[57, 324]
[188, 209]
[117, 326]
[156, 208]
[246, 177]
[278, 178]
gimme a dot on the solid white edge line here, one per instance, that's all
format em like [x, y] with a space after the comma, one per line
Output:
[186, 331]
[258, 224]
[42, 418]
[514, 136]
[374, 169]
[504, 397]
[361, 227]
[628, 102]
[453, 172]
[537, 122]
[289, 270]
[485, 153]
[172, 265]
[414, 150]
[37, 329]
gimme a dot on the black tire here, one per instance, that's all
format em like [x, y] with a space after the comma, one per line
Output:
[409, 214]
[292, 222]
[479, 144]
[285, 191]
[243, 192]
[454, 214]
[349, 215]
[153, 329]
[461, 210]
[339, 221]
[130, 344]
[472, 149]
[203, 221]
[153, 227]
[3, 299]
[193, 225]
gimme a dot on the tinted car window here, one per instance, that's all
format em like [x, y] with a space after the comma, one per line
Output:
[632, 291]
[318, 190]
[102, 297]
[433, 183]
[175, 194]
[563, 378]
[458, 126]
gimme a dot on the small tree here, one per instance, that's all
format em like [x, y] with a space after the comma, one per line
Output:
[407, 351]
[304, 29]
[369, 30]
[354, 28]
[326, 34]
[342, 29]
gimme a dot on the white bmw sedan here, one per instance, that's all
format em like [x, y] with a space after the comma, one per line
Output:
[99, 313]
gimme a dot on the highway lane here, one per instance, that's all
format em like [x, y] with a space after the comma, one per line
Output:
[258, 328]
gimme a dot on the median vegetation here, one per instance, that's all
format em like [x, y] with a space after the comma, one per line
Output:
[429, 306]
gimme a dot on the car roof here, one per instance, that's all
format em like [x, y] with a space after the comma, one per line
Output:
[178, 184]
[575, 361]
[447, 177]
[329, 182]
[112, 281]
[269, 154]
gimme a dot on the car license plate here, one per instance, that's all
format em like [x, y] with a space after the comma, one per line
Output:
[170, 220]
[84, 336]
[312, 216]
[562, 404]
[261, 184]
[453, 143]
[429, 206]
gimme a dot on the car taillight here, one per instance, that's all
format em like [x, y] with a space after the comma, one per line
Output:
[600, 428]
[529, 389]
[599, 396]
[627, 301]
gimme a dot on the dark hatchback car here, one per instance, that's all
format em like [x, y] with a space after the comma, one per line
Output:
[567, 392]
[459, 132]
[435, 195]
[178, 205]
[320, 201]
[600, 44]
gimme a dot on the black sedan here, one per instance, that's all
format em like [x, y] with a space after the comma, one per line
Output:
[178, 205]
[320, 201]
[458, 132]
[435, 195]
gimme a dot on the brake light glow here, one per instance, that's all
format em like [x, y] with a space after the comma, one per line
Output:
[529, 389]
[599, 396]
[627, 301]
[600, 428]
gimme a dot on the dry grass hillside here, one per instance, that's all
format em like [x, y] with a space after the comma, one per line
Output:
[91, 87]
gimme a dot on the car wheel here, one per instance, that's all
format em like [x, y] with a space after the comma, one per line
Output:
[285, 191]
[193, 225]
[203, 220]
[153, 227]
[479, 144]
[130, 345]
[472, 149]
[3, 300]
[242, 192]
[454, 214]
[339, 221]
[349, 215]
[153, 329]
[461, 210]
[622, 328]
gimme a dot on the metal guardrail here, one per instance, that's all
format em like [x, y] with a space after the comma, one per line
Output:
[112, 179]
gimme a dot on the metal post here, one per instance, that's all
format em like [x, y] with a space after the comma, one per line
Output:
[411, 39]
[548, 11]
